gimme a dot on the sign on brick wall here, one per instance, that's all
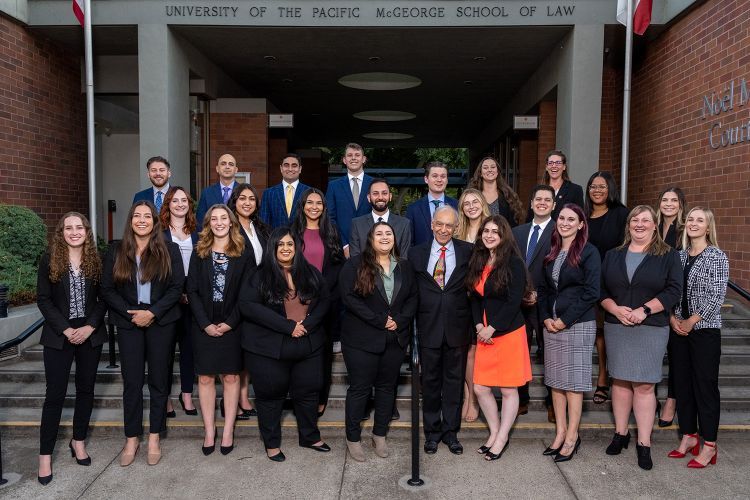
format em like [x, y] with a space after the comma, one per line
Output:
[732, 99]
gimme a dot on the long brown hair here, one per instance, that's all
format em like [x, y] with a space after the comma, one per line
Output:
[59, 260]
[369, 269]
[165, 216]
[503, 189]
[155, 259]
[656, 246]
[236, 243]
[500, 277]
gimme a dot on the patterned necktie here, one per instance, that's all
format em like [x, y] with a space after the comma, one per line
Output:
[159, 201]
[439, 273]
[226, 194]
[289, 197]
[355, 192]
[436, 203]
[532, 243]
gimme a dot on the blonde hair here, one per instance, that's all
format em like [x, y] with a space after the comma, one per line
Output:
[656, 246]
[462, 229]
[710, 236]
[236, 244]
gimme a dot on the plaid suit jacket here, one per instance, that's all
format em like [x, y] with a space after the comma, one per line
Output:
[273, 205]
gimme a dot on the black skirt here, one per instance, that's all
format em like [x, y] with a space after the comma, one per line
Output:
[216, 355]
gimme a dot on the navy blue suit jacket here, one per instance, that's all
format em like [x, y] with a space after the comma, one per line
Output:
[273, 205]
[421, 221]
[209, 197]
[145, 195]
[340, 204]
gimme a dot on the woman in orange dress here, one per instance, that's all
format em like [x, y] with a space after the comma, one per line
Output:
[497, 282]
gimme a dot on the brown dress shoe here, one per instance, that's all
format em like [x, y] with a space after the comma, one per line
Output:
[153, 458]
[522, 410]
[128, 458]
[551, 415]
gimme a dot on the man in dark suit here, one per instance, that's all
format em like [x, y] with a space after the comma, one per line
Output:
[346, 197]
[279, 202]
[379, 197]
[220, 192]
[444, 328]
[533, 239]
[421, 211]
[159, 172]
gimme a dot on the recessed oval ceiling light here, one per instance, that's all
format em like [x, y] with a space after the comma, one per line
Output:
[468, 82]
[384, 116]
[287, 81]
[480, 58]
[269, 58]
[387, 136]
[374, 59]
[379, 81]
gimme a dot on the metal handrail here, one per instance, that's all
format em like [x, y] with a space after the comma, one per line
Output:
[740, 291]
[23, 335]
[415, 480]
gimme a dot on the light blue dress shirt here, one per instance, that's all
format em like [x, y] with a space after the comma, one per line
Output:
[450, 258]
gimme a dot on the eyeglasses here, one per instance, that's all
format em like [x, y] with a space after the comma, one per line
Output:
[598, 187]
[558, 163]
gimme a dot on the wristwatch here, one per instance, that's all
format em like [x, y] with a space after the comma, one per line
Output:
[646, 309]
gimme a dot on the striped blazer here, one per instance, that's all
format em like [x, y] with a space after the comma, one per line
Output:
[706, 287]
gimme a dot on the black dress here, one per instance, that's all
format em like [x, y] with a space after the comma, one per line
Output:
[608, 231]
[213, 288]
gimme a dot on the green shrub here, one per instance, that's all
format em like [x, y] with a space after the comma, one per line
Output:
[23, 239]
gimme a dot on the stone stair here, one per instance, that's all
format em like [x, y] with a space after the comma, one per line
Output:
[22, 385]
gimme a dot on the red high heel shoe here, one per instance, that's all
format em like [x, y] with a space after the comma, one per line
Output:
[694, 464]
[693, 449]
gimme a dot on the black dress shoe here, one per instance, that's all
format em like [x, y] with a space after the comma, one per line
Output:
[455, 447]
[207, 450]
[644, 457]
[430, 447]
[324, 448]
[396, 415]
[482, 450]
[44, 480]
[84, 461]
[172, 414]
[618, 443]
[552, 451]
[226, 450]
[522, 409]
[252, 412]
[279, 457]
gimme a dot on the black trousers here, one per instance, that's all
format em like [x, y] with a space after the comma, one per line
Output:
[531, 317]
[333, 334]
[299, 373]
[183, 338]
[57, 365]
[443, 371]
[367, 370]
[696, 381]
[670, 375]
[153, 345]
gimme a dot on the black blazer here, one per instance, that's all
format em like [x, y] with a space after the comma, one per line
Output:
[610, 231]
[536, 265]
[443, 313]
[168, 236]
[363, 326]
[200, 290]
[330, 269]
[671, 238]
[262, 237]
[123, 296]
[503, 309]
[657, 277]
[266, 325]
[577, 290]
[53, 300]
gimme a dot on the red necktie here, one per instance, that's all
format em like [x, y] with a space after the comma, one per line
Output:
[439, 273]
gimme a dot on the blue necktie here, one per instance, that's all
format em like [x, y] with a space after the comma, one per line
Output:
[226, 194]
[158, 201]
[532, 243]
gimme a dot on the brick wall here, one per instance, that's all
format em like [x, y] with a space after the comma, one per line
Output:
[527, 164]
[42, 125]
[699, 54]
[244, 136]
[610, 142]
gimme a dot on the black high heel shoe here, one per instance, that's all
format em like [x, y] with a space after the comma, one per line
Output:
[618, 443]
[245, 415]
[489, 456]
[85, 461]
[482, 450]
[549, 451]
[192, 412]
[644, 457]
[44, 480]
[564, 458]
[662, 423]
[207, 450]
[226, 450]
[279, 457]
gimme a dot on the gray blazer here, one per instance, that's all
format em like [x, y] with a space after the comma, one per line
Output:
[361, 226]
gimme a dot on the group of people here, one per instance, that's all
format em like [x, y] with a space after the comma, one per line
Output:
[262, 291]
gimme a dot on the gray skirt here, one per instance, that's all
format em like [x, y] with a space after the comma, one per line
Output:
[635, 353]
[567, 357]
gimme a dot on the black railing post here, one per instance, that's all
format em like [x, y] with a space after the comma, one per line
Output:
[112, 353]
[2, 479]
[415, 372]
